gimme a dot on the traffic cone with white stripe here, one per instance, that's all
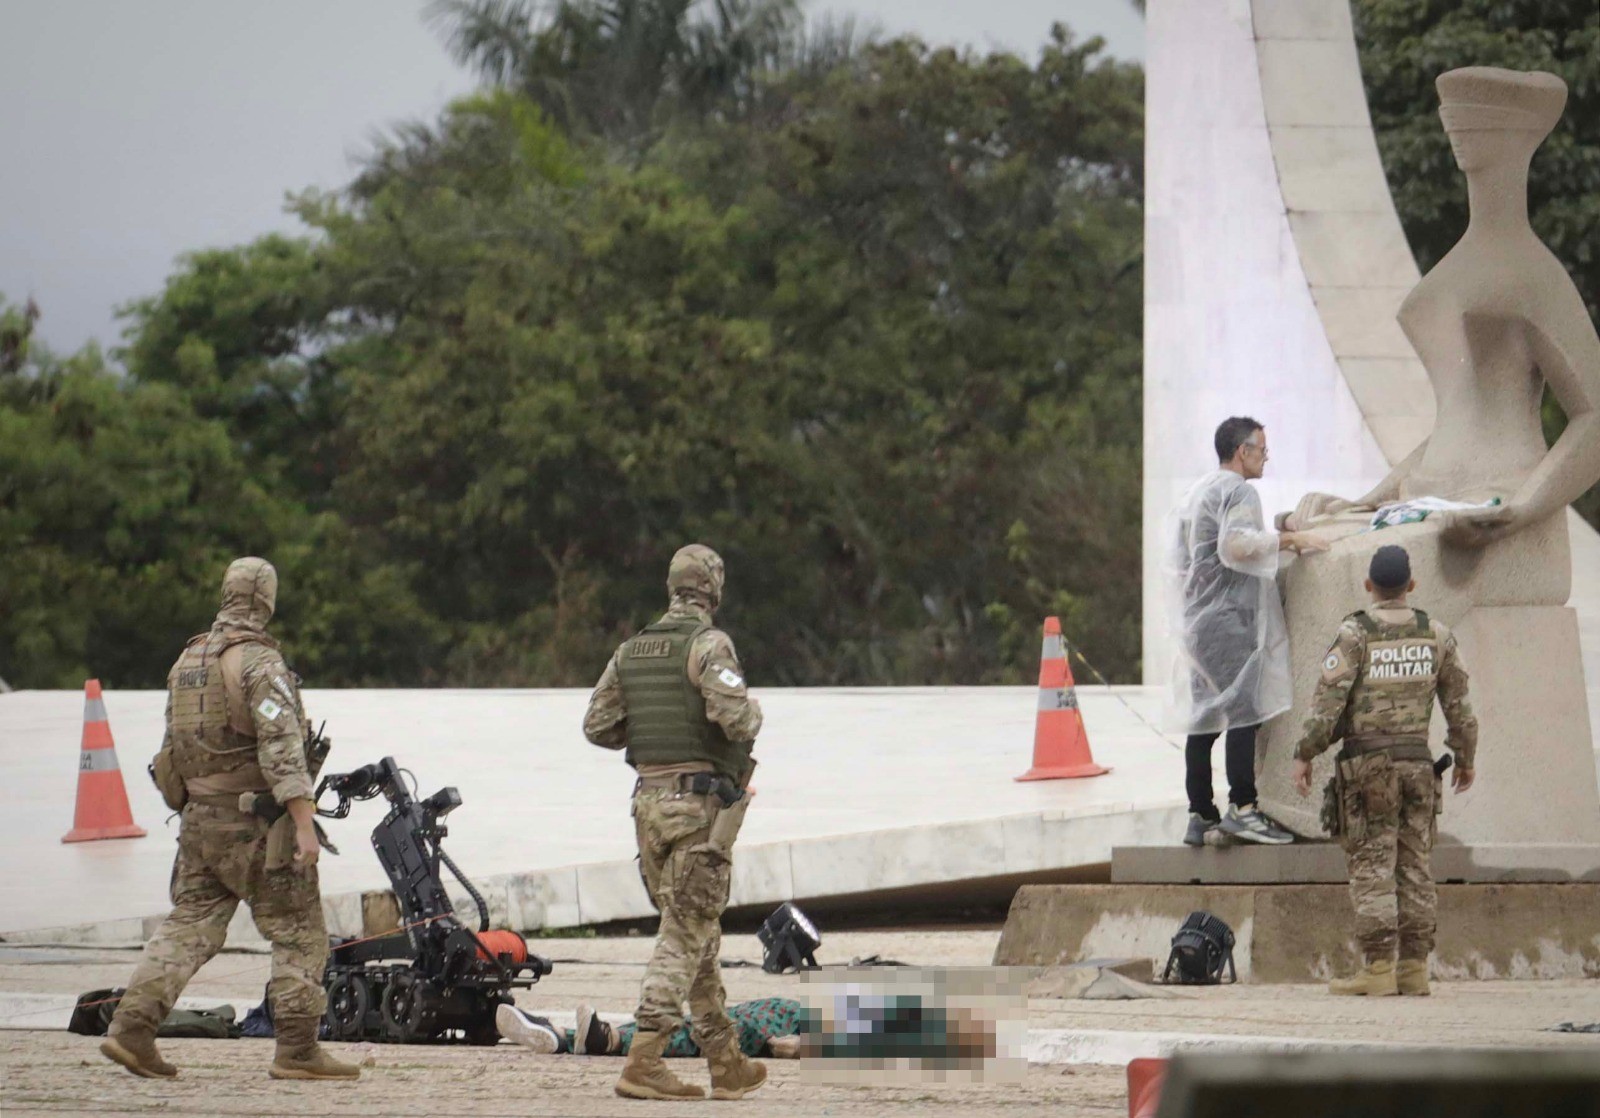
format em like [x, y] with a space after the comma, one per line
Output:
[1060, 743]
[103, 811]
[1145, 1080]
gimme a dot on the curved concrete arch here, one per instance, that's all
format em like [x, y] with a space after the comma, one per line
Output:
[1258, 137]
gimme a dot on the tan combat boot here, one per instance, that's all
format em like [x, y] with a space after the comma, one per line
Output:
[299, 1056]
[1375, 980]
[733, 1074]
[646, 1075]
[1411, 977]
[135, 1050]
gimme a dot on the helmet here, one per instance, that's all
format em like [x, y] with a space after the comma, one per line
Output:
[249, 591]
[696, 568]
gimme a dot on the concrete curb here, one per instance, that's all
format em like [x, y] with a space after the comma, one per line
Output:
[1115, 1046]
[765, 874]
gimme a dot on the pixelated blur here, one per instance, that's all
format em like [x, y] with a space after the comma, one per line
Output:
[896, 1025]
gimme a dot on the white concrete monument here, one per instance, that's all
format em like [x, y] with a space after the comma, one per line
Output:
[1275, 272]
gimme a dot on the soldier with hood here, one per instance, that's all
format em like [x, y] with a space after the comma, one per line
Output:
[236, 728]
[674, 697]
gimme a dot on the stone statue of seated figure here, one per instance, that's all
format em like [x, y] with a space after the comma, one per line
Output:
[1495, 322]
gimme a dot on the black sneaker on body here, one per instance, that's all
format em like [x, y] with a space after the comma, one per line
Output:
[1249, 824]
[593, 1036]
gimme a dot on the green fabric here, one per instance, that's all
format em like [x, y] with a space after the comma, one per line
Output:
[667, 723]
[755, 1022]
[206, 1024]
[92, 1016]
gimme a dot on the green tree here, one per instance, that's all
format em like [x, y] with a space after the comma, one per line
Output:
[242, 333]
[1406, 44]
[866, 321]
[860, 342]
[619, 69]
[118, 509]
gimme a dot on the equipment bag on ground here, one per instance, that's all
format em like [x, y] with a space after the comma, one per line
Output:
[92, 1016]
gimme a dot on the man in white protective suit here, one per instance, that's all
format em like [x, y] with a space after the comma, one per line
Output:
[1231, 665]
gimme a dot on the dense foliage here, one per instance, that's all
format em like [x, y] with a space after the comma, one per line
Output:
[863, 316]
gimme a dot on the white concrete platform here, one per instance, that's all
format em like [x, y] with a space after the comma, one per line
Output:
[859, 791]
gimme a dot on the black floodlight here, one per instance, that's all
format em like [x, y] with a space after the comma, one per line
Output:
[444, 801]
[1201, 950]
[790, 939]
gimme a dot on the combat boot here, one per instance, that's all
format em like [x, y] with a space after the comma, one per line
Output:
[1375, 980]
[646, 1075]
[1411, 977]
[733, 1074]
[136, 1050]
[299, 1056]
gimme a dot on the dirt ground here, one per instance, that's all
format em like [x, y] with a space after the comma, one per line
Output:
[56, 1073]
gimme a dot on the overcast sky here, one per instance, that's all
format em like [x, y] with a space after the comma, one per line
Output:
[133, 132]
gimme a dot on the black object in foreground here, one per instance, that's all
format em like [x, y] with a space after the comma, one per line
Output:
[791, 940]
[1424, 1083]
[1201, 950]
[434, 979]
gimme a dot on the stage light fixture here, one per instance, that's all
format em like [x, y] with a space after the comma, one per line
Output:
[790, 940]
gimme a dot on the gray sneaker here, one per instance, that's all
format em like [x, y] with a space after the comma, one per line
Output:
[1199, 827]
[1248, 824]
[526, 1029]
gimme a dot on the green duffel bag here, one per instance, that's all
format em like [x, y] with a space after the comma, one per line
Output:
[92, 1016]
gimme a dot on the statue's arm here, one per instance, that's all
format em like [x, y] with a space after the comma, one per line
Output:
[1314, 506]
[1561, 341]
[1564, 345]
[1387, 491]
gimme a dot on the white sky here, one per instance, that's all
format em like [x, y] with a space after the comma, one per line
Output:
[133, 132]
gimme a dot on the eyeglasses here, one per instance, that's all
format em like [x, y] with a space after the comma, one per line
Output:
[1254, 446]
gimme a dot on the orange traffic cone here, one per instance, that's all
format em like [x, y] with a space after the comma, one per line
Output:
[103, 811]
[1144, 1087]
[1060, 743]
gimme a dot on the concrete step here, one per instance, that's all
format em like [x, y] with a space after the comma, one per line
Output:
[1304, 933]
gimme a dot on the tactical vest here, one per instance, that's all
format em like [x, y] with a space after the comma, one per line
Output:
[1391, 701]
[667, 723]
[202, 741]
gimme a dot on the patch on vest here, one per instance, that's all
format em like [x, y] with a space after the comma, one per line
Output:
[730, 677]
[1400, 661]
[269, 710]
[650, 648]
[192, 678]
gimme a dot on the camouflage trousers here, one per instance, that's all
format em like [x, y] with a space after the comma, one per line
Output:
[222, 859]
[1388, 809]
[687, 875]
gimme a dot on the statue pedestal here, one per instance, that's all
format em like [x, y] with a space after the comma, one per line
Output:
[1535, 764]
[1324, 863]
[1305, 932]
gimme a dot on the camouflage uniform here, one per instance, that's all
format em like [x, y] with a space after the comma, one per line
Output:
[685, 861]
[235, 725]
[1379, 680]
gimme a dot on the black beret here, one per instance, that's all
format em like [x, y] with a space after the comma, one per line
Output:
[1391, 567]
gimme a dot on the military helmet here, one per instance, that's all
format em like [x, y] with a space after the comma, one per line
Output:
[249, 591]
[696, 568]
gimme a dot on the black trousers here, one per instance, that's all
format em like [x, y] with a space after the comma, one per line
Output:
[1240, 749]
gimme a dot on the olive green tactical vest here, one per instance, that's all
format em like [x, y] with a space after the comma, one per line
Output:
[202, 742]
[1396, 679]
[667, 723]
